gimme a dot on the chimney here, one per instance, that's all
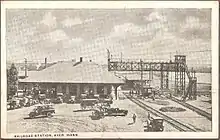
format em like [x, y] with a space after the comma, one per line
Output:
[45, 63]
[81, 59]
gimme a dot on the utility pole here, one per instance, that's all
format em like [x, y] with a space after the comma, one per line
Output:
[170, 57]
[25, 67]
[142, 84]
[45, 62]
[121, 56]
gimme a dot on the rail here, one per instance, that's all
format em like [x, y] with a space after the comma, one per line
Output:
[178, 125]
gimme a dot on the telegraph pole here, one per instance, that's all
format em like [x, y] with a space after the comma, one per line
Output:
[142, 84]
[121, 56]
[25, 67]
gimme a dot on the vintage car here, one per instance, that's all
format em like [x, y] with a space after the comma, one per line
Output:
[20, 93]
[42, 110]
[83, 96]
[72, 100]
[97, 114]
[14, 104]
[154, 125]
[29, 103]
[47, 101]
[115, 112]
[88, 103]
[41, 97]
[11, 104]
[105, 99]
[58, 99]
[105, 105]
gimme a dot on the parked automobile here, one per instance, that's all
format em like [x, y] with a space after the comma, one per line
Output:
[115, 112]
[20, 93]
[29, 103]
[41, 97]
[83, 96]
[154, 125]
[42, 110]
[14, 104]
[58, 100]
[47, 101]
[105, 99]
[8, 105]
[105, 105]
[88, 103]
[97, 114]
[72, 100]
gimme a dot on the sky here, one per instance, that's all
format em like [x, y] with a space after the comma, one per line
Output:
[148, 34]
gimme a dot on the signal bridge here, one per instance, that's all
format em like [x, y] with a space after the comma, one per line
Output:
[178, 66]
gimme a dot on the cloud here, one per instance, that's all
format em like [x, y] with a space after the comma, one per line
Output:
[49, 20]
[58, 35]
[155, 16]
[74, 42]
[133, 33]
[89, 20]
[69, 22]
[193, 28]
[127, 29]
[193, 23]
[155, 23]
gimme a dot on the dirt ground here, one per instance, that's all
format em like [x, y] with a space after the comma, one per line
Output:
[187, 117]
[69, 118]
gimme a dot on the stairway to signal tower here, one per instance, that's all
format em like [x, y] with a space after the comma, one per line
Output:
[181, 70]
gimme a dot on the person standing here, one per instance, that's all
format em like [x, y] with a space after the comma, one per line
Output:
[148, 115]
[134, 118]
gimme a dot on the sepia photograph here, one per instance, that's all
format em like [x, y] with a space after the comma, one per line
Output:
[73, 70]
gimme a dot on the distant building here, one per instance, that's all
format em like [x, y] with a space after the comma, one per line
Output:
[74, 78]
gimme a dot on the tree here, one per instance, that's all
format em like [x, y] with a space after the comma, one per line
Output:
[12, 80]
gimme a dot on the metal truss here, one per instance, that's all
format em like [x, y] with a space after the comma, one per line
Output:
[140, 66]
[178, 66]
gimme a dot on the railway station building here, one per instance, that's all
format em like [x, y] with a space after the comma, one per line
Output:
[74, 78]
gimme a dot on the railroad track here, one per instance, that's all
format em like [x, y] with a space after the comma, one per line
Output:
[178, 125]
[193, 108]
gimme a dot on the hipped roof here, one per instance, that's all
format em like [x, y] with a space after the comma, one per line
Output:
[72, 72]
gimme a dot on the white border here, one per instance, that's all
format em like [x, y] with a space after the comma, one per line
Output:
[114, 5]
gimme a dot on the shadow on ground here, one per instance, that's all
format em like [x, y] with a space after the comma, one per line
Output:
[130, 123]
[35, 117]
[209, 101]
[82, 110]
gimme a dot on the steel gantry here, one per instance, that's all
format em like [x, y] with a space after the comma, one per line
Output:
[178, 66]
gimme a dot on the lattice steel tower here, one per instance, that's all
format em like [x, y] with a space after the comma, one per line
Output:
[180, 69]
